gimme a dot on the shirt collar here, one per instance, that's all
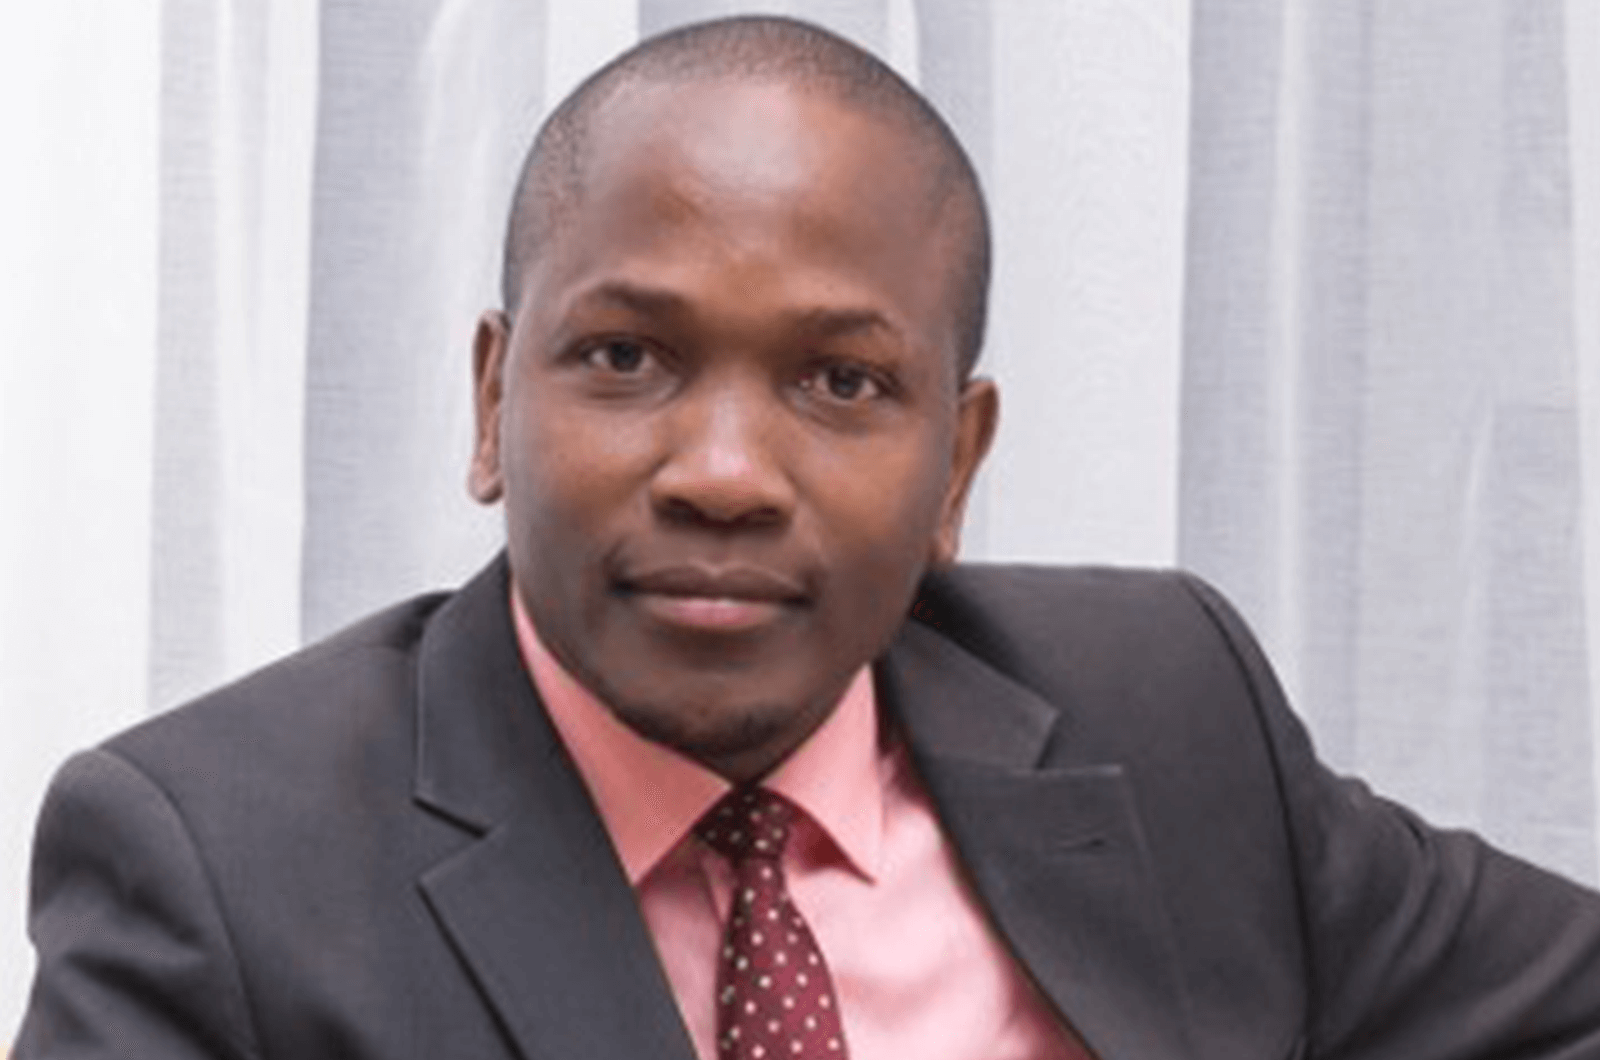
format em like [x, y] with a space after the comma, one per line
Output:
[649, 796]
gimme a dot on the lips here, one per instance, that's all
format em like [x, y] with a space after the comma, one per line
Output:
[728, 599]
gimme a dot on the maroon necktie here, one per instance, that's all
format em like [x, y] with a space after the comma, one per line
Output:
[775, 999]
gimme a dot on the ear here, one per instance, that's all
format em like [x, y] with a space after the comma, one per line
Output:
[977, 415]
[490, 346]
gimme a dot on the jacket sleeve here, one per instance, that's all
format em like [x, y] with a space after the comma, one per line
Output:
[134, 959]
[1422, 944]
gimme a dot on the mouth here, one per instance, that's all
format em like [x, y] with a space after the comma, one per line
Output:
[713, 599]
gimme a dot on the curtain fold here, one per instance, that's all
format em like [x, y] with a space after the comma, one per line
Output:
[238, 104]
[1582, 38]
[424, 111]
[1087, 190]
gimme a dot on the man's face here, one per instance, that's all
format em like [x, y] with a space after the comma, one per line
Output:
[726, 421]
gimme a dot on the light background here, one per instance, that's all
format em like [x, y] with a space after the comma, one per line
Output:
[1303, 294]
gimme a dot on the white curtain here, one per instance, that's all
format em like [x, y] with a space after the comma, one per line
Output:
[1304, 294]
[79, 194]
[1384, 409]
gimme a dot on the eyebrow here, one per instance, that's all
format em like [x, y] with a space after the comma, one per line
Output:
[822, 321]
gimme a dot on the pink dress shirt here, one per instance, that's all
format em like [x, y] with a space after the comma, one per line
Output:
[917, 970]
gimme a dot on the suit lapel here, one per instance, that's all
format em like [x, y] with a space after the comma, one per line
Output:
[1056, 853]
[538, 907]
[542, 916]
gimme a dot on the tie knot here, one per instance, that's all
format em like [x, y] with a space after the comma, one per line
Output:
[748, 822]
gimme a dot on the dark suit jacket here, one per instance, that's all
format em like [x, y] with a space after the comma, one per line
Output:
[378, 848]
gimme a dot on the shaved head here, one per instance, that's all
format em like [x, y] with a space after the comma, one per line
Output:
[756, 48]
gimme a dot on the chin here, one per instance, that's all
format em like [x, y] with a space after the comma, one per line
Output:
[729, 709]
[728, 732]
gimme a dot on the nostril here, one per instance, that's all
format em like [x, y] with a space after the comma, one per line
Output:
[723, 485]
[682, 511]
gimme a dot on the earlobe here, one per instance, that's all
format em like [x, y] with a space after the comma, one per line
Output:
[489, 351]
[977, 416]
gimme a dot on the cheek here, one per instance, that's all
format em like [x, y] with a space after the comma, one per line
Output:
[571, 488]
[562, 466]
[882, 504]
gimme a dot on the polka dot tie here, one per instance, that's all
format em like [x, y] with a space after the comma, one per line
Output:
[775, 999]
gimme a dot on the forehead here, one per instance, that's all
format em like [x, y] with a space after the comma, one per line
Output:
[756, 167]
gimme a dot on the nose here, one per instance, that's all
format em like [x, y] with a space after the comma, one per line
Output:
[723, 468]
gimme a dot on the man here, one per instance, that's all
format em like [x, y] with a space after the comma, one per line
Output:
[679, 777]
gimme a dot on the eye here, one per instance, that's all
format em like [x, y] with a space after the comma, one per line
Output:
[622, 356]
[844, 382]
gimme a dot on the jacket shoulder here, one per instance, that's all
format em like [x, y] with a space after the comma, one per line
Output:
[1024, 619]
[351, 690]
